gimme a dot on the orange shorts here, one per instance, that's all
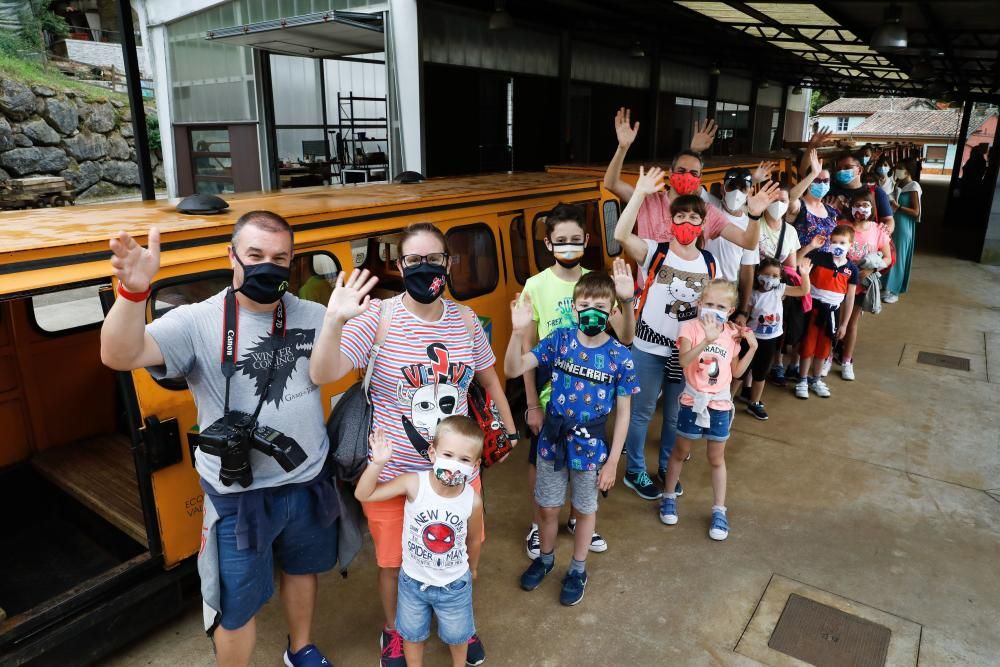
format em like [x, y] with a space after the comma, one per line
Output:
[815, 343]
[385, 522]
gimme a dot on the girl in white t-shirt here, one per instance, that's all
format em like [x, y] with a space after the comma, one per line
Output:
[766, 321]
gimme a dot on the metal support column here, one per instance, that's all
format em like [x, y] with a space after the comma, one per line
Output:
[953, 208]
[653, 137]
[779, 132]
[270, 132]
[134, 86]
[755, 81]
[713, 100]
[565, 113]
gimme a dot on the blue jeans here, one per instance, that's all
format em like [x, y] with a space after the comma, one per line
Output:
[451, 604]
[649, 368]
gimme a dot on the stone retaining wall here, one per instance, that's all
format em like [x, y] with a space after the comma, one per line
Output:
[86, 139]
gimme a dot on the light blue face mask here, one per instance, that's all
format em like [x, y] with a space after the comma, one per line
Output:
[844, 176]
[883, 170]
[819, 190]
[865, 159]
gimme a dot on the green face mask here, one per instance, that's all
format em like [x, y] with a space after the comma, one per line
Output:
[593, 321]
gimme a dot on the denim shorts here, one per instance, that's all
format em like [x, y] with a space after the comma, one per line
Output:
[451, 604]
[718, 431]
[550, 487]
[298, 541]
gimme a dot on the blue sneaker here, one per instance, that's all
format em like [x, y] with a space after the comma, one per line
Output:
[668, 511]
[574, 585]
[532, 577]
[307, 656]
[778, 375]
[476, 654]
[719, 529]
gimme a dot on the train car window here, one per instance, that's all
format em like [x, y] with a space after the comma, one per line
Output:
[519, 249]
[182, 291]
[475, 269]
[593, 254]
[313, 276]
[610, 223]
[379, 257]
[67, 310]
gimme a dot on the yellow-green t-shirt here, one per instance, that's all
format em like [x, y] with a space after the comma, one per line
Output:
[552, 302]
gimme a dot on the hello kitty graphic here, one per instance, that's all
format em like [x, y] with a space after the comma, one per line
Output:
[685, 287]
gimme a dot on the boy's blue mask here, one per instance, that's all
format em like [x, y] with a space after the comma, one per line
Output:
[844, 176]
[819, 190]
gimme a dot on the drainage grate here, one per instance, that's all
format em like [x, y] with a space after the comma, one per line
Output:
[822, 636]
[943, 361]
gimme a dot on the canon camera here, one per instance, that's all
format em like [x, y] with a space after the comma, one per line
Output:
[231, 439]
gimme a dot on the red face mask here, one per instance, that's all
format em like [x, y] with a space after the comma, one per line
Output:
[685, 233]
[685, 184]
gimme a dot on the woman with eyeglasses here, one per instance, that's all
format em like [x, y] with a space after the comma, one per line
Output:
[421, 373]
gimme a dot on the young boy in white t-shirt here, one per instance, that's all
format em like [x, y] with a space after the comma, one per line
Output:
[441, 510]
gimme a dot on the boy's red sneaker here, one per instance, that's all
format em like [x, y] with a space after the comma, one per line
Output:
[392, 649]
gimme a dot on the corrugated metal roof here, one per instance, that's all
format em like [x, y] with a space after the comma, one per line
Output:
[917, 123]
[873, 104]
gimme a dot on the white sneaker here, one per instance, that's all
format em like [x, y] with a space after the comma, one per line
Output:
[847, 370]
[889, 297]
[802, 388]
[597, 543]
[532, 543]
[820, 389]
[827, 365]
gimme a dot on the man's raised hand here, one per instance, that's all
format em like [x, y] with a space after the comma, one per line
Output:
[133, 265]
[704, 135]
[350, 299]
[624, 129]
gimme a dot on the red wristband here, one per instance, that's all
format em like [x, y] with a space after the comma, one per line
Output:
[138, 297]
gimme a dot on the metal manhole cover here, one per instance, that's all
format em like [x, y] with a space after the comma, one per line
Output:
[822, 636]
[943, 361]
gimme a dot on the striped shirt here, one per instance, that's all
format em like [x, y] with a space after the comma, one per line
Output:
[829, 282]
[421, 375]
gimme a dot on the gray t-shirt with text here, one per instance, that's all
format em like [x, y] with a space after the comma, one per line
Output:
[190, 338]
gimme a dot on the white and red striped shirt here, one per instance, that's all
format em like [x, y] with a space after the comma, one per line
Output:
[421, 375]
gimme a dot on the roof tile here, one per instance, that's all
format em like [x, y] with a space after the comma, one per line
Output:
[873, 104]
[919, 123]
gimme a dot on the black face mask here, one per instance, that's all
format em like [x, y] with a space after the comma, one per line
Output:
[265, 282]
[425, 282]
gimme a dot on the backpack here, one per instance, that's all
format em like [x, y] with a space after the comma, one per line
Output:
[482, 408]
[350, 421]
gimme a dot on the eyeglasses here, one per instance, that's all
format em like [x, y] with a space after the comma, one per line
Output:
[434, 259]
[821, 180]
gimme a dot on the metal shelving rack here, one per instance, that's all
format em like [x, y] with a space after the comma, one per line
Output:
[351, 141]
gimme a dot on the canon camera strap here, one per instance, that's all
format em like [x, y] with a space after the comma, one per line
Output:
[230, 343]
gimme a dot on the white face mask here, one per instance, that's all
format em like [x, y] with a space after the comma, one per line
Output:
[768, 282]
[707, 314]
[839, 249]
[451, 472]
[568, 250]
[900, 174]
[865, 211]
[776, 209]
[735, 200]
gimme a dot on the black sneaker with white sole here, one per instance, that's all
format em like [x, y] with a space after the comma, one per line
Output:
[533, 543]
[757, 410]
[661, 475]
[642, 485]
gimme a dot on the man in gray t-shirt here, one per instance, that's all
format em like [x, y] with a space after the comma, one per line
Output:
[284, 515]
[190, 339]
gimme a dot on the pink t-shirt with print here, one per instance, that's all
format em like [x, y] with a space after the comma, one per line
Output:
[654, 220]
[867, 241]
[712, 372]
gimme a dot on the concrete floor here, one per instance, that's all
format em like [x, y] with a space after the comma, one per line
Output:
[887, 494]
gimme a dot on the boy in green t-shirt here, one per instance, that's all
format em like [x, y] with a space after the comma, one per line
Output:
[551, 293]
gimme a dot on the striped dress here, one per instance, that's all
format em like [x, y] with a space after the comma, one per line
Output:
[421, 376]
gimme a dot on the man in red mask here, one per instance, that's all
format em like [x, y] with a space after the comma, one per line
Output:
[685, 178]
